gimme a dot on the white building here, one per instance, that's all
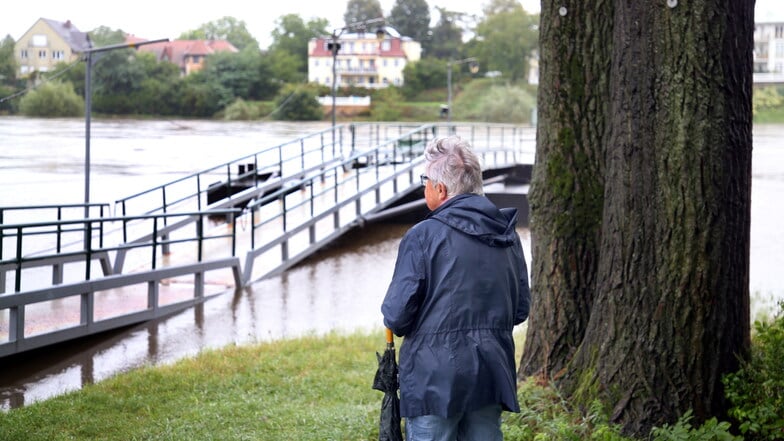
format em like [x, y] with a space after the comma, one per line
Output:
[769, 47]
[362, 59]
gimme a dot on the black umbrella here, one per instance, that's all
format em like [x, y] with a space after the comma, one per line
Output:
[386, 381]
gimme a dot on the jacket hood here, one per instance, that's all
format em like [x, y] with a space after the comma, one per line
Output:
[476, 216]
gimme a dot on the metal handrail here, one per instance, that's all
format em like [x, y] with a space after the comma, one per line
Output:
[89, 227]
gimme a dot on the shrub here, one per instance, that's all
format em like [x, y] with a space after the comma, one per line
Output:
[52, 99]
[756, 391]
[241, 110]
[298, 103]
[711, 430]
[483, 100]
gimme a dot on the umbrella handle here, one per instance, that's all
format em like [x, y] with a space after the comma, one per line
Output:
[390, 337]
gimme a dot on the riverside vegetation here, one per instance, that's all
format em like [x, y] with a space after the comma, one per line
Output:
[318, 388]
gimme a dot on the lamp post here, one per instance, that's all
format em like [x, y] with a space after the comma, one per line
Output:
[334, 46]
[88, 100]
[473, 67]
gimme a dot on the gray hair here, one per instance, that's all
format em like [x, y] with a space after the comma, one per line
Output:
[450, 161]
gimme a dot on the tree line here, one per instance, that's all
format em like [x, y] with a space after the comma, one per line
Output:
[130, 82]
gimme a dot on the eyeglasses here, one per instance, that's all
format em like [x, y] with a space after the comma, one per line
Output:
[423, 179]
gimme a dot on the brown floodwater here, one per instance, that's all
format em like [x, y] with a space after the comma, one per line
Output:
[338, 289]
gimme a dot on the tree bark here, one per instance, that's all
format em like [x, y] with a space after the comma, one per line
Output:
[667, 299]
[566, 193]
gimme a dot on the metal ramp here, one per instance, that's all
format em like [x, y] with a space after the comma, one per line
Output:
[276, 208]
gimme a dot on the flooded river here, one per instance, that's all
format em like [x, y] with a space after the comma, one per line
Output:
[42, 162]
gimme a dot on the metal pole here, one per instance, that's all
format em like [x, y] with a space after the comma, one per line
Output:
[334, 82]
[88, 93]
[88, 107]
[449, 92]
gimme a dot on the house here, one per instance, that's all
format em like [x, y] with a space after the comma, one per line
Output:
[769, 47]
[47, 43]
[362, 60]
[187, 54]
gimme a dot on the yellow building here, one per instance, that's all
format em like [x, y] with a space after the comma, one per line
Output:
[47, 43]
[362, 60]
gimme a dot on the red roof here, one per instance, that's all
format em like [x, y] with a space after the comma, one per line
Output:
[320, 49]
[175, 51]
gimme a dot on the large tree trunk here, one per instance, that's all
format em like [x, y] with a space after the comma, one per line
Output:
[669, 301]
[567, 189]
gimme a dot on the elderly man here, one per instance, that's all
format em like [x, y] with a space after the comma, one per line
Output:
[459, 287]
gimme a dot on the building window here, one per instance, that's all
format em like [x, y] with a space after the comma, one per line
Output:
[39, 40]
[780, 49]
[384, 62]
[386, 45]
[23, 54]
[58, 55]
[779, 31]
[196, 58]
[42, 54]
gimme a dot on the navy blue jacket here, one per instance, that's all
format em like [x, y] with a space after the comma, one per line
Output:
[459, 287]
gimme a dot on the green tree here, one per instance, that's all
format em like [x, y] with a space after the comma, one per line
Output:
[202, 98]
[362, 10]
[115, 78]
[225, 28]
[8, 65]
[286, 67]
[237, 73]
[446, 39]
[505, 39]
[105, 36]
[411, 18]
[52, 99]
[159, 90]
[427, 73]
[640, 203]
[298, 103]
[289, 46]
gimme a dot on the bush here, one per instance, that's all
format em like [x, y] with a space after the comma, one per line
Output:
[712, 430]
[298, 103]
[488, 101]
[241, 110]
[52, 99]
[385, 105]
[756, 391]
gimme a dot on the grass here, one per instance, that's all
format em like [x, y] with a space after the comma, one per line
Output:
[311, 388]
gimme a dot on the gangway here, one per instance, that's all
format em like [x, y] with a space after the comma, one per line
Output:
[313, 193]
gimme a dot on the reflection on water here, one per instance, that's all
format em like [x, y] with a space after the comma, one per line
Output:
[340, 288]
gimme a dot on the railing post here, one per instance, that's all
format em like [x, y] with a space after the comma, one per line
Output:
[199, 237]
[234, 235]
[154, 241]
[18, 279]
[16, 325]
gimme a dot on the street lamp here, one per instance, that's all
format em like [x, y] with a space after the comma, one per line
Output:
[88, 95]
[334, 46]
[473, 66]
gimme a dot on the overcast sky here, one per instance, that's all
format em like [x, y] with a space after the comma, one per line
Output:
[154, 19]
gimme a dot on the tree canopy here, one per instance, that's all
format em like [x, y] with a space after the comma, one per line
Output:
[505, 39]
[362, 10]
[289, 48]
[227, 28]
[411, 18]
